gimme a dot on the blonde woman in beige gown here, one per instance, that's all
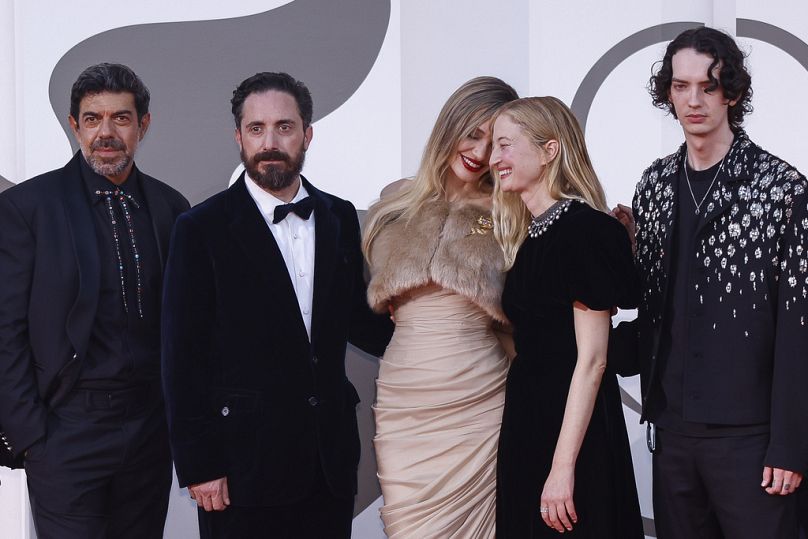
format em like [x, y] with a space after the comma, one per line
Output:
[436, 265]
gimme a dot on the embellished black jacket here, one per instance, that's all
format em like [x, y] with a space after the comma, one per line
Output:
[747, 349]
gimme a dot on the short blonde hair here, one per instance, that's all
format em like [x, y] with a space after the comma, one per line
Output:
[569, 175]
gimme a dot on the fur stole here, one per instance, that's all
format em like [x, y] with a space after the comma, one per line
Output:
[445, 244]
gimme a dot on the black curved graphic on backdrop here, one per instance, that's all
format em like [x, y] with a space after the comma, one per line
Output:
[192, 68]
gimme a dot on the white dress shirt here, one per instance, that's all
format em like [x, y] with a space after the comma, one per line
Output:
[295, 239]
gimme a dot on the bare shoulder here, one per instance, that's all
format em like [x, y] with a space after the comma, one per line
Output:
[395, 187]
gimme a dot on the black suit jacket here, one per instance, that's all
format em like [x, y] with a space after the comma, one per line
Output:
[248, 396]
[49, 287]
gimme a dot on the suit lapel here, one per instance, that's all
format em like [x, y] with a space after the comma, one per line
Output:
[326, 234]
[162, 216]
[82, 234]
[251, 233]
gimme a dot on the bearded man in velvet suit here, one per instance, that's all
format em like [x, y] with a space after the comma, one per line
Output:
[264, 288]
[81, 263]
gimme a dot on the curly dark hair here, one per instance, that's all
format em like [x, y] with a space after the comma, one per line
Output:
[281, 82]
[733, 77]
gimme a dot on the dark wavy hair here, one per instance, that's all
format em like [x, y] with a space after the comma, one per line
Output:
[281, 82]
[733, 77]
[113, 78]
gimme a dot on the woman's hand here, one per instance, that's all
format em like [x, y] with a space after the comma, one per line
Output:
[557, 508]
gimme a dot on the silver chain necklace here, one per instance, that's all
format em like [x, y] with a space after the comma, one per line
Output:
[709, 189]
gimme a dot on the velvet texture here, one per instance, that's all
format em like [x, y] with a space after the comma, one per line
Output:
[248, 396]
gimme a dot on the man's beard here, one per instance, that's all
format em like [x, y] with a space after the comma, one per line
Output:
[108, 168]
[274, 178]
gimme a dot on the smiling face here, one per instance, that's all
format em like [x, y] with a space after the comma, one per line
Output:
[517, 162]
[469, 161]
[701, 112]
[108, 133]
[272, 140]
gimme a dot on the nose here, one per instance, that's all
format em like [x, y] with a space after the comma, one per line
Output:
[481, 150]
[494, 159]
[270, 141]
[695, 97]
[106, 129]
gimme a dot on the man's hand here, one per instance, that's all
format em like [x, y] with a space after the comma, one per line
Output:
[626, 217]
[212, 496]
[779, 481]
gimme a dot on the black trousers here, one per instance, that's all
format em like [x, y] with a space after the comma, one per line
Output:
[709, 488]
[320, 515]
[104, 468]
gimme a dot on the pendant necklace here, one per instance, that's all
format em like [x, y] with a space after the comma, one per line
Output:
[709, 189]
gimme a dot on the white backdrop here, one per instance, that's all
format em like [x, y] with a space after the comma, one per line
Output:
[542, 47]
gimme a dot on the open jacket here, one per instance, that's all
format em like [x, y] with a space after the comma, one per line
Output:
[747, 352]
[49, 287]
[248, 395]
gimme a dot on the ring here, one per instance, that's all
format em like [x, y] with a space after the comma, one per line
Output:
[787, 486]
[544, 509]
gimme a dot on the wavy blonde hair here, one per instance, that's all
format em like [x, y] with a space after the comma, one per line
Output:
[471, 105]
[569, 175]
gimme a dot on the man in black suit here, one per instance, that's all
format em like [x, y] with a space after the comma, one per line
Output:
[722, 234]
[81, 260]
[264, 287]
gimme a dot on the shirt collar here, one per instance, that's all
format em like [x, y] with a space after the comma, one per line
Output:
[265, 201]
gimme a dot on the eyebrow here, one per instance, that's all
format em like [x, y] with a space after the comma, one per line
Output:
[116, 113]
[503, 138]
[705, 81]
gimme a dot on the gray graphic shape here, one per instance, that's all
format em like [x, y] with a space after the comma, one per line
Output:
[192, 68]
[773, 35]
[4, 184]
[597, 74]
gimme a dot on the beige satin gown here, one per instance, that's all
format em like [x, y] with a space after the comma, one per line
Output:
[438, 410]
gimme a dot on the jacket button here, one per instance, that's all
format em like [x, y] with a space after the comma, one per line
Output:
[314, 401]
[225, 411]
[314, 359]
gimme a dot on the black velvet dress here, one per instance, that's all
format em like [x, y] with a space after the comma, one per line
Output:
[585, 256]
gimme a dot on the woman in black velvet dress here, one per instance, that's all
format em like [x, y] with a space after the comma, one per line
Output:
[564, 459]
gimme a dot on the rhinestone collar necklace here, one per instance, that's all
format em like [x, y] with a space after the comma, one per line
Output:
[540, 224]
[709, 189]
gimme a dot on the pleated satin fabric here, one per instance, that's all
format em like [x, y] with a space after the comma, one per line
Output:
[438, 410]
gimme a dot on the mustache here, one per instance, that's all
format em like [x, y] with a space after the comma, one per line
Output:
[271, 155]
[108, 143]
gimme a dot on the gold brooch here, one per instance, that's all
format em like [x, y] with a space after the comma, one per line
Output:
[481, 226]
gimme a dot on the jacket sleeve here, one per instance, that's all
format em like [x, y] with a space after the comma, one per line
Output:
[188, 318]
[23, 416]
[369, 331]
[788, 443]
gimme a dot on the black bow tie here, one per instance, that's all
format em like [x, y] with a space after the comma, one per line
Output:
[302, 208]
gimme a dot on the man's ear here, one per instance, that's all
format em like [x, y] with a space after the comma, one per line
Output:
[237, 136]
[74, 125]
[145, 122]
[307, 135]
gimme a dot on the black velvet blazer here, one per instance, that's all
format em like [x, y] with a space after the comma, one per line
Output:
[248, 396]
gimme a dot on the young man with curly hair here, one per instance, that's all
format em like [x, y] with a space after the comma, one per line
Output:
[721, 336]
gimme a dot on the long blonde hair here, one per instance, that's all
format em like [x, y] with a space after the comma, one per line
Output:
[569, 175]
[471, 105]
